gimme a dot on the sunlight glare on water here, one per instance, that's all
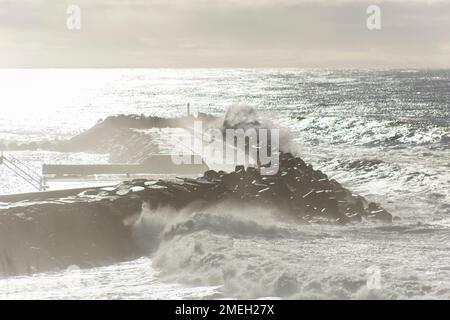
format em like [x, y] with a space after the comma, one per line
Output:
[384, 134]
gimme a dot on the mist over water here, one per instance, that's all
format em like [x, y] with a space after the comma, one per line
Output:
[382, 134]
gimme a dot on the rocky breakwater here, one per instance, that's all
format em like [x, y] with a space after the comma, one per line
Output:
[53, 234]
[93, 227]
[298, 192]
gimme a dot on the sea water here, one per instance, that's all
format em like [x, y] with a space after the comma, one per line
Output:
[383, 134]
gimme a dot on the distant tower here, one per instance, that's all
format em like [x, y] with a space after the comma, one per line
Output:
[188, 109]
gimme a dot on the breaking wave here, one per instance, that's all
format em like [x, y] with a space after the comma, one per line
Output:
[254, 252]
[224, 248]
[259, 254]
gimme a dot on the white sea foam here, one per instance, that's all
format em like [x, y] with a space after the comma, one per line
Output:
[368, 129]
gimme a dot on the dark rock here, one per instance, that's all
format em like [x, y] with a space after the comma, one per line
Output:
[79, 222]
[211, 175]
[89, 192]
[239, 169]
[139, 182]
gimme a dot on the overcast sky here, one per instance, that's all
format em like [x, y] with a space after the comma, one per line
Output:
[225, 33]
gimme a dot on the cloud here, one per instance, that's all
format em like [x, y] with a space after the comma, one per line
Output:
[225, 33]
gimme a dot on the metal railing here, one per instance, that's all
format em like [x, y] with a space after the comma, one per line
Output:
[23, 171]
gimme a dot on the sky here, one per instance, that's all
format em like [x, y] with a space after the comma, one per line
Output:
[225, 33]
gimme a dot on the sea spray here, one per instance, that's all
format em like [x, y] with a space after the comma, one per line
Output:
[198, 248]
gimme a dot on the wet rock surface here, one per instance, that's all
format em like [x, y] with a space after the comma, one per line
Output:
[299, 191]
[93, 227]
[55, 234]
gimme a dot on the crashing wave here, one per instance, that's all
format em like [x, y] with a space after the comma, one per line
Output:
[96, 222]
[96, 226]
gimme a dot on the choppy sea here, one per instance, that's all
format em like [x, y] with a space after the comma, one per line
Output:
[383, 134]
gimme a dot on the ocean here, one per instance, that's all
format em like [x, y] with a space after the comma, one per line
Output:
[384, 134]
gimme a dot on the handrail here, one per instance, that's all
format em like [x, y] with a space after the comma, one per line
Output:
[23, 171]
[31, 182]
[16, 166]
[15, 160]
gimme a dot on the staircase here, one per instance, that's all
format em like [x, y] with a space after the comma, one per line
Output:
[23, 171]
